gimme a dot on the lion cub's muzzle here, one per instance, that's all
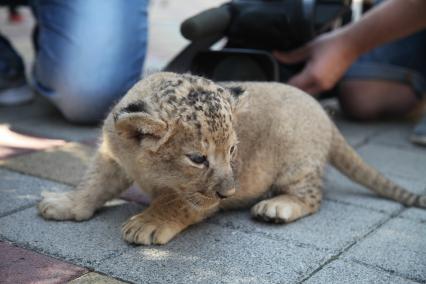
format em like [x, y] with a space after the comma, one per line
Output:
[225, 188]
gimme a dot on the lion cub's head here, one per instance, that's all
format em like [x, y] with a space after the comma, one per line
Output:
[176, 133]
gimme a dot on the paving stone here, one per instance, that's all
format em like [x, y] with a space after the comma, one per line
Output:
[390, 133]
[66, 164]
[418, 214]
[397, 162]
[207, 253]
[10, 151]
[94, 277]
[396, 135]
[340, 188]
[19, 265]
[348, 272]
[83, 243]
[334, 227]
[356, 133]
[398, 247]
[39, 107]
[19, 191]
[12, 143]
[56, 127]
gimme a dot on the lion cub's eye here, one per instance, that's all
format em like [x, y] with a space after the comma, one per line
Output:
[232, 150]
[198, 159]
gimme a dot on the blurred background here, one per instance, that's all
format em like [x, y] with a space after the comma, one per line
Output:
[165, 40]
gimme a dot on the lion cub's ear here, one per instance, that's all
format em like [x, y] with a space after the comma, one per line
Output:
[137, 125]
[235, 93]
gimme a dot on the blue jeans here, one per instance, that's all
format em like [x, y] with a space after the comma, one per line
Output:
[90, 52]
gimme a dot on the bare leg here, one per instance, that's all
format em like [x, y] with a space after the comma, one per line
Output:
[296, 199]
[167, 216]
[373, 99]
[104, 180]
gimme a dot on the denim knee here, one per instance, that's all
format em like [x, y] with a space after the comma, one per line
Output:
[90, 53]
[85, 101]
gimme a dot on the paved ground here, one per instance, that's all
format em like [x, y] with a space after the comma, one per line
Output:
[355, 238]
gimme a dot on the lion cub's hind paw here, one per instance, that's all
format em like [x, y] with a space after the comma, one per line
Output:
[61, 206]
[277, 210]
[143, 230]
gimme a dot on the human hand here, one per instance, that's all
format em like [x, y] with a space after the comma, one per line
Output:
[328, 57]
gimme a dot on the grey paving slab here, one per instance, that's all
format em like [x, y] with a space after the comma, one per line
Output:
[348, 272]
[396, 135]
[398, 246]
[391, 133]
[356, 133]
[340, 188]
[208, 253]
[414, 214]
[334, 227]
[38, 107]
[397, 162]
[65, 164]
[83, 243]
[19, 191]
[56, 127]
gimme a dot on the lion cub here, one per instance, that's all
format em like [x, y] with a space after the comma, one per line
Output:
[196, 147]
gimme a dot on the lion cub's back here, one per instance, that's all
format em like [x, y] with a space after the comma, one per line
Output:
[276, 103]
[276, 116]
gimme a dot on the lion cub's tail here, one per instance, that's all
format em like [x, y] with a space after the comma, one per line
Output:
[346, 160]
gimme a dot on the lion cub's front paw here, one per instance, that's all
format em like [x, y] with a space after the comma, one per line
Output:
[62, 206]
[144, 229]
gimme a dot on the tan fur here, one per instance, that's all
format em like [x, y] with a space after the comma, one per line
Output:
[259, 140]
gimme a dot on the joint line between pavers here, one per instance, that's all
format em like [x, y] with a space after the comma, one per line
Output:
[421, 221]
[22, 208]
[361, 206]
[367, 139]
[399, 215]
[337, 256]
[27, 247]
[59, 257]
[79, 276]
[266, 236]
[401, 147]
[389, 271]
[115, 255]
[39, 177]
[116, 278]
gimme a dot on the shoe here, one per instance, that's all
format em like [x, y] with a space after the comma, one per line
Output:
[16, 95]
[14, 89]
[419, 133]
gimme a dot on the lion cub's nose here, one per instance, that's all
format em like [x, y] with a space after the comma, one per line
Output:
[224, 193]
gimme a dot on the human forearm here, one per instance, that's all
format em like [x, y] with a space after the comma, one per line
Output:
[330, 55]
[391, 20]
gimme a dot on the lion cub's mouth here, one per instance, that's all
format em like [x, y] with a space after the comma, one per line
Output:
[220, 196]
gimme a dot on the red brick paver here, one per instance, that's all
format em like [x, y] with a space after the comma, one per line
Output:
[19, 265]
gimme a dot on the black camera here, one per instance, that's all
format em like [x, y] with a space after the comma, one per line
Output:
[251, 29]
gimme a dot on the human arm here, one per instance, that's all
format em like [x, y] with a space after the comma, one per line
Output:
[330, 55]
